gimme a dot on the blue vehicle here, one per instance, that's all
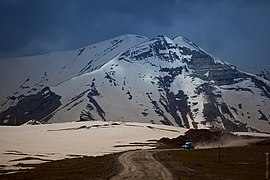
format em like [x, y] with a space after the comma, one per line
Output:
[188, 145]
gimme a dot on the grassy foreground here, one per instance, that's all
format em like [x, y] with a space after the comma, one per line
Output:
[246, 162]
[102, 167]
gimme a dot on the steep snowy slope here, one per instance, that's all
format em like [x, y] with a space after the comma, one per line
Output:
[162, 80]
[23, 76]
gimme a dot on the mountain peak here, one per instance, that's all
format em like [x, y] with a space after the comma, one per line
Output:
[130, 78]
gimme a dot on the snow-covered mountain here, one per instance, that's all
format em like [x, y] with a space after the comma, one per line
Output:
[131, 78]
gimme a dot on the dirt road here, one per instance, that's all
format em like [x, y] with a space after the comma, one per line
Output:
[141, 165]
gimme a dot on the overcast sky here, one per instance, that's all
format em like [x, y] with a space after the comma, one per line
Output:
[237, 31]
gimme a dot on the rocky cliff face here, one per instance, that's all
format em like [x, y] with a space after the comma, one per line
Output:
[261, 72]
[162, 80]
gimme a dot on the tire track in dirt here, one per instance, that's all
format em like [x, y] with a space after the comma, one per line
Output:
[141, 165]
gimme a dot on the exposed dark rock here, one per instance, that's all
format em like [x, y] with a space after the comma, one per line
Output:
[225, 110]
[166, 122]
[109, 77]
[156, 49]
[263, 86]
[159, 112]
[234, 109]
[210, 111]
[264, 74]
[91, 106]
[98, 107]
[174, 103]
[163, 101]
[239, 89]
[24, 87]
[145, 114]
[86, 114]
[37, 106]
[86, 68]
[93, 92]
[263, 117]
[234, 126]
[173, 72]
[240, 106]
[178, 102]
[81, 51]
[116, 42]
[130, 96]
[202, 64]
[74, 99]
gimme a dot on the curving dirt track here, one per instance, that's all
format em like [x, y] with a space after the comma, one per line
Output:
[141, 165]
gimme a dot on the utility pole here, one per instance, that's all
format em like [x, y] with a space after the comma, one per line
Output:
[266, 166]
[219, 159]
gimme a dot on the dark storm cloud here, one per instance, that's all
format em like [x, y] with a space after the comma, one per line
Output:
[237, 31]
